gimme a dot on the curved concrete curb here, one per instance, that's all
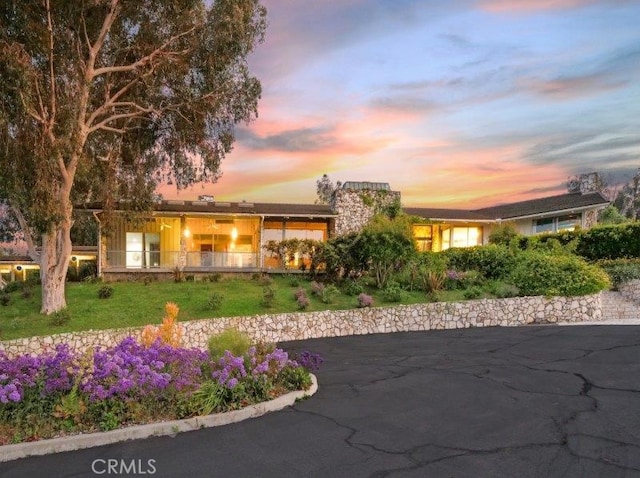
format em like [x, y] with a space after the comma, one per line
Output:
[137, 432]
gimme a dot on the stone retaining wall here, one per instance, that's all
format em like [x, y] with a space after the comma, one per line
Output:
[630, 290]
[306, 325]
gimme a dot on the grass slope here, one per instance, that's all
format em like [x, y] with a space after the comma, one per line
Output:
[137, 304]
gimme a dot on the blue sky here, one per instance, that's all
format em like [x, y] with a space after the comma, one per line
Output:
[461, 104]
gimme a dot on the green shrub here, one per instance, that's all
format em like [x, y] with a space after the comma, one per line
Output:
[393, 292]
[5, 299]
[610, 242]
[215, 277]
[537, 273]
[105, 292]
[12, 287]
[503, 234]
[268, 296]
[233, 340]
[472, 293]
[328, 293]
[492, 261]
[27, 292]
[352, 287]
[215, 300]
[621, 270]
[503, 291]
[190, 278]
[295, 378]
[60, 318]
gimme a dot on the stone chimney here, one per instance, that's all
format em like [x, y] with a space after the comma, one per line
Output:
[356, 202]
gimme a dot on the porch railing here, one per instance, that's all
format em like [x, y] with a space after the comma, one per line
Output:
[170, 259]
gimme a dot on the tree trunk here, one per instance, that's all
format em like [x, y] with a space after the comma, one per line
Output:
[54, 262]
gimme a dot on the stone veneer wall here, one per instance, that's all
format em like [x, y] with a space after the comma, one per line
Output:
[355, 208]
[630, 290]
[306, 325]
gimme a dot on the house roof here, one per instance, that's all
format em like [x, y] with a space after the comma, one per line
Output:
[447, 214]
[534, 207]
[240, 208]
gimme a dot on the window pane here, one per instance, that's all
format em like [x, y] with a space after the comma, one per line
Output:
[134, 249]
[544, 225]
[568, 223]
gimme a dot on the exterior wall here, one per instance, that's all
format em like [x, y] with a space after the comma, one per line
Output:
[356, 208]
[298, 326]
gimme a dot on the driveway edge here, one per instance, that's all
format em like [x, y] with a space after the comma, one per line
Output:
[138, 432]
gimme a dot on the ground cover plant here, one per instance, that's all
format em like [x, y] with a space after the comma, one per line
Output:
[62, 392]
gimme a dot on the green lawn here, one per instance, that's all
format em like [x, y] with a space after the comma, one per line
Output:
[136, 304]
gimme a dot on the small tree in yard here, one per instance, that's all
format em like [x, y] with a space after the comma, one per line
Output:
[386, 244]
[100, 100]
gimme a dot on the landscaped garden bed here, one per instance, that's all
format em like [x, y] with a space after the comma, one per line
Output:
[61, 392]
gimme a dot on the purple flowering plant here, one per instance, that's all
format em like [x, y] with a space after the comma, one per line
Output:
[128, 383]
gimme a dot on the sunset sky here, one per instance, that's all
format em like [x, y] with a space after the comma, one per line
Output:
[454, 103]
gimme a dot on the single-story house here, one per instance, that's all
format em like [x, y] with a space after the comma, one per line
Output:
[207, 236]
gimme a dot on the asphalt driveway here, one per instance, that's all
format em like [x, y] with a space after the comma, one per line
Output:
[502, 402]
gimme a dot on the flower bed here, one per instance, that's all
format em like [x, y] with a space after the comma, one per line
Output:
[61, 392]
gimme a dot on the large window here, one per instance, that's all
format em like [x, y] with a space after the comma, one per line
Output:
[143, 249]
[467, 236]
[423, 236]
[556, 224]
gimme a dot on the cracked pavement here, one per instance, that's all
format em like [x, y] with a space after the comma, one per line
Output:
[541, 401]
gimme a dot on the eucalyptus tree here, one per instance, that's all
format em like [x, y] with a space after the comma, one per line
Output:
[102, 99]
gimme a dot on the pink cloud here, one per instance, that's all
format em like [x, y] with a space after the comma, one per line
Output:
[503, 6]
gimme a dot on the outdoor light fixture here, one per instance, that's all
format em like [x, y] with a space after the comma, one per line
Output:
[187, 233]
[234, 233]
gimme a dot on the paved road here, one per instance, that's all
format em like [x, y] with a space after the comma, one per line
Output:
[501, 402]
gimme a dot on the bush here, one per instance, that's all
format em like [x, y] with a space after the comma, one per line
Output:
[568, 275]
[328, 293]
[352, 287]
[215, 300]
[268, 296]
[433, 281]
[393, 292]
[472, 293]
[190, 278]
[105, 292]
[309, 360]
[492, 261]
[317, 288]
[610, 242]
[60, 318]
[303, 302]
[27, 292]
[503, 291]
[503, 234]
[300, 292]
[215, 277]
[231, 340]
[12, 287]
[5, 299]
[621, 270]
[365, 300]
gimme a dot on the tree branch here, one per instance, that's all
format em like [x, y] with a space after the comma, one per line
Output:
[145, 59]
[28, 238]
[118, 116]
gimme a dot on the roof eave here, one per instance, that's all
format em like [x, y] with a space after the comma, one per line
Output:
[554, 213]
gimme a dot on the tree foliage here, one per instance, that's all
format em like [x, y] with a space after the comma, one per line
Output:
[325, 189]
[102, 99]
